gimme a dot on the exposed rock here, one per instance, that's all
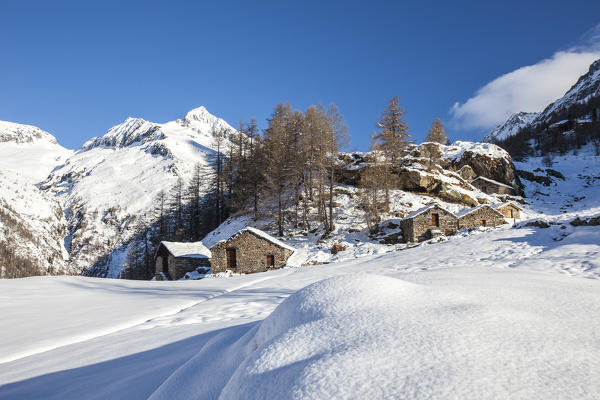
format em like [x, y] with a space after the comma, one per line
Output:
[551, 172]
[392, 238]
[498, 169]
[416, 181]
[337, 247]
[544, 180]
[429, 150]
[467, 173]
[538, 223]
[349, 168]
[594, 221]
[445, 192]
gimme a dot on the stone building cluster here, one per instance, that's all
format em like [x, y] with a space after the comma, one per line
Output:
[251, 250]
[246, 251]
[434, 220]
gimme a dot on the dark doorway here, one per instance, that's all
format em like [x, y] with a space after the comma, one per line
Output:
[231, 259]
[271, 261]
[483, 222]
[435, 219]
[165, 265]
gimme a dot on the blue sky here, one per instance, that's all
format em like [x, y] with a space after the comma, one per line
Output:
[77, 69]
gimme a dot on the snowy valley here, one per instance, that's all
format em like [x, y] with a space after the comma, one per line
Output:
[110, 189]
[503, 313]
[510, 310]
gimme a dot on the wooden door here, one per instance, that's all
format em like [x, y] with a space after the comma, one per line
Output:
[435, 219]
[231, 259]
[270, 261]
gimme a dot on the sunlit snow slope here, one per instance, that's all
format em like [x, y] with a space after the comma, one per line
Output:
[30, 151]
[507, 313]
[32, 224]
[115, 179]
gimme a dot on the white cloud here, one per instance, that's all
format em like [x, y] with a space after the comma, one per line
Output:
[530, 88]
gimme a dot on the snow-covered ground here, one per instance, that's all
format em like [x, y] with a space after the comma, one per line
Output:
[506, 313]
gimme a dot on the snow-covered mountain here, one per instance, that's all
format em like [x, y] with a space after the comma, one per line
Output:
[512, 126]
[586, 87]
[29, 151]
[32, 229]
[423, 322]
[114, 180]
[110, 188]
[32, 224]
[579, 104]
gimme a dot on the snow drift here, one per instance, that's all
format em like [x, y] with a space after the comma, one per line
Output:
[476, 335]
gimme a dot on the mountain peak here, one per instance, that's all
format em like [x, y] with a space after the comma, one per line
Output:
[200, 120]
[586, 89]
[20, 133]
[199, 114]
[512, 126]
[130, 131]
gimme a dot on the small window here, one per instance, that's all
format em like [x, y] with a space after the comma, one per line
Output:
[435, 219]
[270, 260]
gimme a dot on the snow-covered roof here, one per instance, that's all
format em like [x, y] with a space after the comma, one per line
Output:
[491, 181]
[187, 250]
[263, 235]
[424, 209]
[467, 211]
[500, 205]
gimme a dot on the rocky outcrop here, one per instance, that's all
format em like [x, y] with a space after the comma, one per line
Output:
[547, 179]
[592, 221]
[414, 180]
[447, 193]
[440, 171]
[467, 173]
[499, 169]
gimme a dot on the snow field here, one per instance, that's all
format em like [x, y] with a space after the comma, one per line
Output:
[492, 314]
[461, 334]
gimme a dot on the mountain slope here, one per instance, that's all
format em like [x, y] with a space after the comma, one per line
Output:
[511, 127]
[579, 107]
[32, 230]
[114, 181]
[32, 224]
[29, 151]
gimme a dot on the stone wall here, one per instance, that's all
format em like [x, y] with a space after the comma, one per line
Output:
[491, 187]
[251, 254]
[506, 211]
[177, 267]
[420, 227]
[483, 216]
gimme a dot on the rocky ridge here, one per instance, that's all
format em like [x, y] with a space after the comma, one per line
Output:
[579, 106]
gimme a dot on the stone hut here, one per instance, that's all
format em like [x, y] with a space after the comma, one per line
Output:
[510, 210]
[490, 186]
[428, 222]
[249, 250]
[483, 215]
[173, 260]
